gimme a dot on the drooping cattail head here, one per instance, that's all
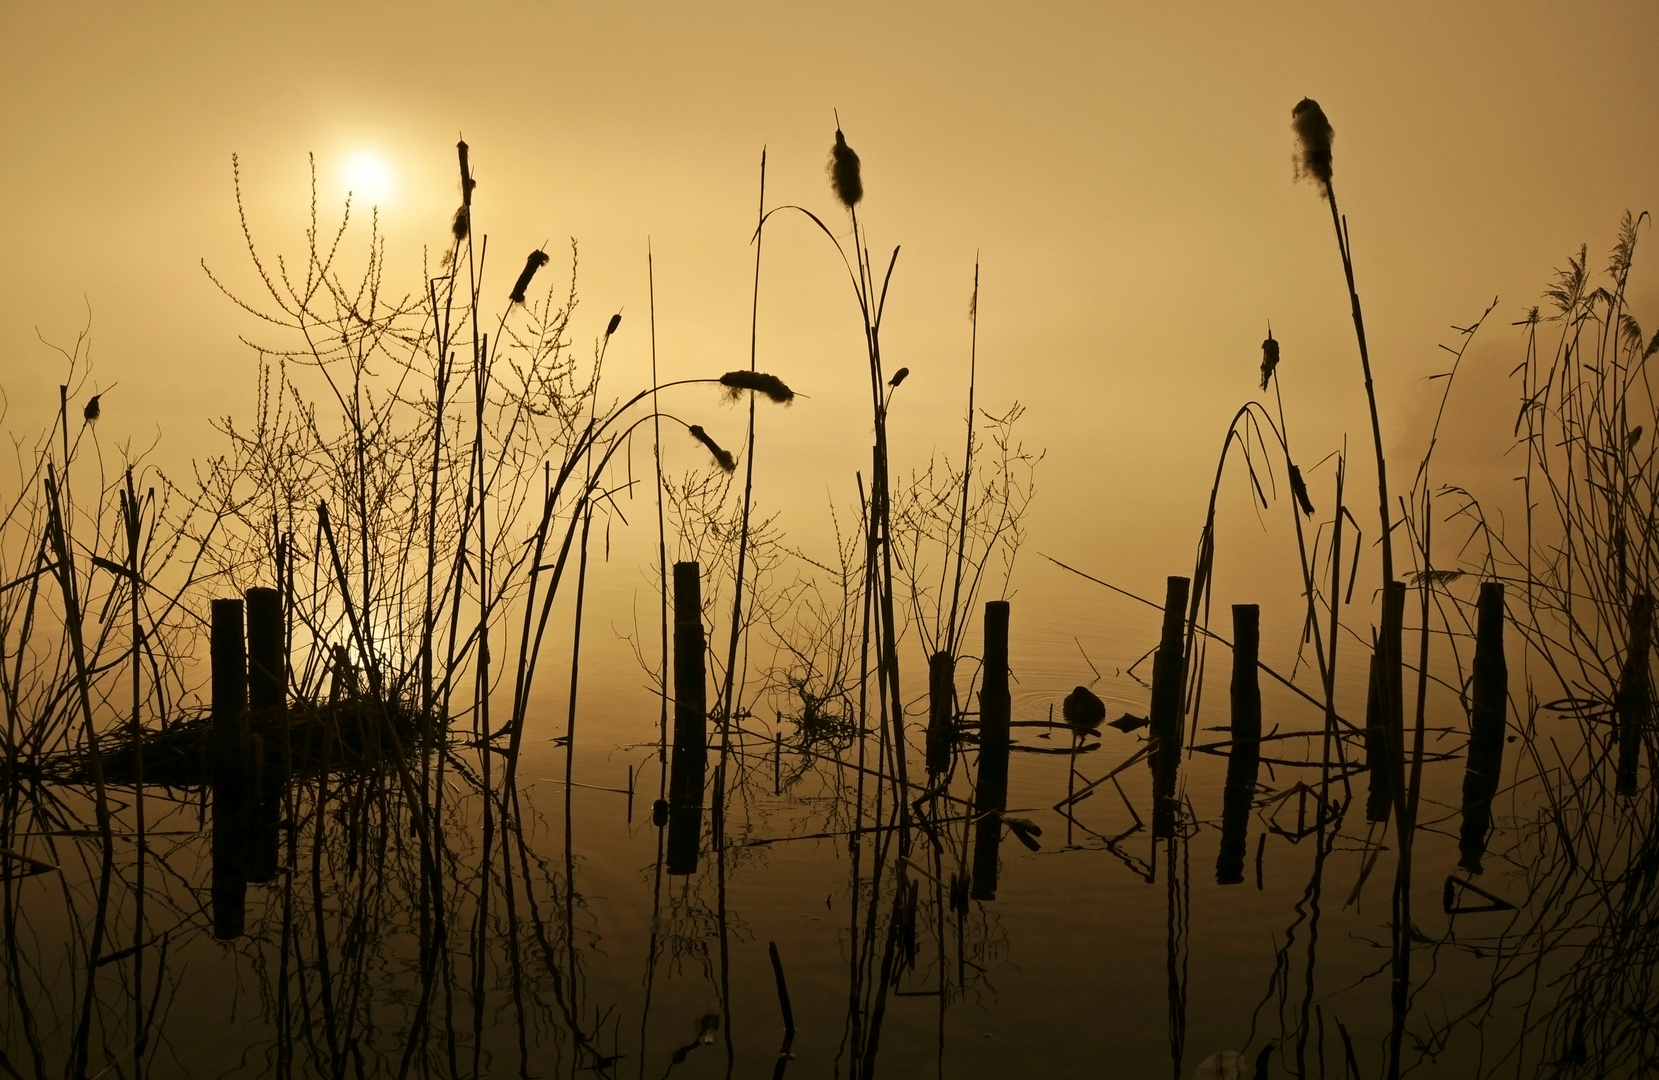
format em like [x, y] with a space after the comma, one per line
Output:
[616, 321]
[1313, 142]
[844, 175]
[1270, 358]
[899, 376]
[536, 261]
[725, 460]
[773, 387]
[462, 223]
[1300, 490]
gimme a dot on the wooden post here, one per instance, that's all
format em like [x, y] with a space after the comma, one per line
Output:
[1635, 702]
[267, 684]
[1384, 727]
[690, 758]
[1244, 759]
[1488, 705]
[227, 740]
[991, 789]
[941, 727]
[1168, 684]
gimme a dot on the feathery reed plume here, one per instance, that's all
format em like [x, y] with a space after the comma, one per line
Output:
[1313, 138]
[727, 462]
[773, 387]
[1270, 358]
[536, 261]
[1300, 490]
[844, 174]
[898, 376]
[616, 321]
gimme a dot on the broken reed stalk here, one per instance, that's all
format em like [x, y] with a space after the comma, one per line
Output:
[62, 555]
[951, 641]
[729, 690]
[132, 525]
[1489, 701]
[662, 531]
[1244, 755]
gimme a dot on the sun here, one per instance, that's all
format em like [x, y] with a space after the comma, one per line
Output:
[369, 178]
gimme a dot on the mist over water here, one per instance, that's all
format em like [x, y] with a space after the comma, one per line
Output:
[372, 699]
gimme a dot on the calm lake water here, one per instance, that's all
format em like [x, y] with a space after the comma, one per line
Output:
[565, 947]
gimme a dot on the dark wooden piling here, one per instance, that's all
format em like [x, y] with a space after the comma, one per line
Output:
[1384, 727]
[267, 685]
[1168, 679]
[1487, 707]
[1635, 701]
[941, 714]
[227, 753]
[1244, 758]
[991, 788]
[690, 756]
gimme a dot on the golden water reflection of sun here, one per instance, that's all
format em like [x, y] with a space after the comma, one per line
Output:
[369, 178]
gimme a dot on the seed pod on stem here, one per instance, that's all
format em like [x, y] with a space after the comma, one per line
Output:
[1313, 142]
[844, 173]
[536, 261]
[1270, 358]
[773, 387]
[723, 457]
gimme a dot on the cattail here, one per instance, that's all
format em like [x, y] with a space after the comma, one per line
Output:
[467, 182]
[898, 376]
[616, 321]
[773, 387]
[462, 223]
[1313, 137]
[725, 459]
[536, 261]
[1270, 358]
[843, 170]
[1300, 490]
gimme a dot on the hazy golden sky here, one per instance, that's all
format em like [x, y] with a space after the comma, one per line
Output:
[1122, 170]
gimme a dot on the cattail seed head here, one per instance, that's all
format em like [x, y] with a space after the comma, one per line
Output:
[536, 261]
[616, 321]
[1270, 358]
[462, 223]
[844, 174]
[467, 182]
[1313, 142]
[1300, 490]
[773, 387]
[725, 459]
[898, 376]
